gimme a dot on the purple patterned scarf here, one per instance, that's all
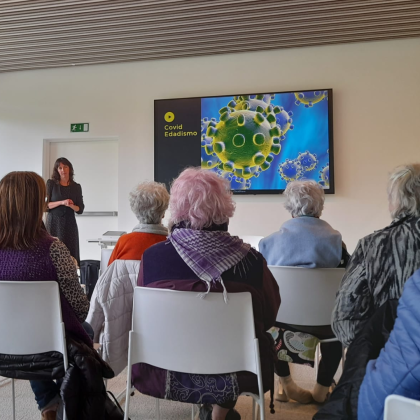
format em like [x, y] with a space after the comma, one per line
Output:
[209, 253]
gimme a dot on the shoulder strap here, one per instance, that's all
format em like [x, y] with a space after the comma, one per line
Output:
[116, 403]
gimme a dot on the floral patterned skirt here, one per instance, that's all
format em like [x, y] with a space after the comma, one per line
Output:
[294, 346]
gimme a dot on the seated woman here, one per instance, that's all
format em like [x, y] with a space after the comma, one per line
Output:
[306, 241]
[383, 260]
[148, 201]
[29, 253]
[200, 248]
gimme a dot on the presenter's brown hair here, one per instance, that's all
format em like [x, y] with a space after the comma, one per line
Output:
[56, 176]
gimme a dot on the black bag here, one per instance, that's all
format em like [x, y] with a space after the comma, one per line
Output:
[113, 410]
[89, 273]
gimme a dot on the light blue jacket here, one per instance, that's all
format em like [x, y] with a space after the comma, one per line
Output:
[397, 369]
[303, 242]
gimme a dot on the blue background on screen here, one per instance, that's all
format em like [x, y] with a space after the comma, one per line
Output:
[310, 133]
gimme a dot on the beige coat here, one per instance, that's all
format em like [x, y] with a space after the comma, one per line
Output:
[110, 313]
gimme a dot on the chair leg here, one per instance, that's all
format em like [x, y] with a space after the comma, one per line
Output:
[343, 358]
[195, 409]
[157, 409]
[128, 388]
[262, 409]
[316, 361]
[13, 399]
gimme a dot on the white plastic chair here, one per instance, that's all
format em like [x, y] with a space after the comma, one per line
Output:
[252, 240]
[401, 408]
[105, 256]
[193, 326]
[30, 318]
[308, 297]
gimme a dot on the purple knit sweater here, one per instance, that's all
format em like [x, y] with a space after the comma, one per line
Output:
[35, 264]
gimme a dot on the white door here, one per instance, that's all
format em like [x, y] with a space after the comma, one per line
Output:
[95, 164]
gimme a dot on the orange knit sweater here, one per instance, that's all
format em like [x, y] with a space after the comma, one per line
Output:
[132, 245]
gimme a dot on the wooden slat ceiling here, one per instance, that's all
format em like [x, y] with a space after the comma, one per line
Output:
[46, 33]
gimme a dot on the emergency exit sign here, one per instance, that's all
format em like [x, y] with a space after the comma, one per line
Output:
[79, 127]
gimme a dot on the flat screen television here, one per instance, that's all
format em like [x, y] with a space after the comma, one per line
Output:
[258, 142]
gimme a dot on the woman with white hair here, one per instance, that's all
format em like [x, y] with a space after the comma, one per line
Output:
[305, 241]
[148, 201]
[383, 260]
[201, 256]
[111, 304]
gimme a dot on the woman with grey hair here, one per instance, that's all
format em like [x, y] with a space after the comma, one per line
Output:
[383, 260]
[148, 201]
[305, 241]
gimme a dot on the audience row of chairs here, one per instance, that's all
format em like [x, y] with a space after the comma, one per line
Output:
[313, 307]
[30, 318]
[307, 299]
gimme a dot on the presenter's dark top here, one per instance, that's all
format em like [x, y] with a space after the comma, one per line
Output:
[61, 222]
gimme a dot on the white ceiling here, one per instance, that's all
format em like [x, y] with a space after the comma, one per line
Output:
[46, 33]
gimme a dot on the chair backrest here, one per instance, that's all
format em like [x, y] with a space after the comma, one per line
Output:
[105, 256]
[30, 317]
[252, 240]
[307, 294]
[399, 408]
[179, 331]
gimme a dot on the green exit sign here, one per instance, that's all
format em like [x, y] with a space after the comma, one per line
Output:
[79, 127]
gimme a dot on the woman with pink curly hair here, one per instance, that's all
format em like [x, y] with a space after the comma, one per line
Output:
[201, 256]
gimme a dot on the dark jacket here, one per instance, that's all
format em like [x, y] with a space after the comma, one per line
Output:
[343, 402]
[83, 390]
[376, 273]
[55, 192]
[162, 267]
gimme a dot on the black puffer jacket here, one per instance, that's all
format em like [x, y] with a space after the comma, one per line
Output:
[82, 390]
[367, 345]
[32, 367]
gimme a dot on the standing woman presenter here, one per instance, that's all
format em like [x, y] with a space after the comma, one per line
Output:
[64, 199]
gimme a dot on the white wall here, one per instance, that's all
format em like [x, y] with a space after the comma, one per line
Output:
[90, 174]
[376, 118]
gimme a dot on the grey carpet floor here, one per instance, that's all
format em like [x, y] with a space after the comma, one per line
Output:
[143, 407]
